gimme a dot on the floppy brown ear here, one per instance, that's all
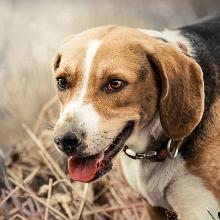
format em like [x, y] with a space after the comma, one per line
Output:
[182, 97]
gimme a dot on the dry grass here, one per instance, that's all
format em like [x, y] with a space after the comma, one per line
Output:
[35, 184]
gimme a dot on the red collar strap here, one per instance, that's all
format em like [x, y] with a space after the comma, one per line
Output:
[166, 148]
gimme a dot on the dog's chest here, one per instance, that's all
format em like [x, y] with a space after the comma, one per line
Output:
[170, 185]
[150, 178]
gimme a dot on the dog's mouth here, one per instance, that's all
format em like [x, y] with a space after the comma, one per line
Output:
[86, 169]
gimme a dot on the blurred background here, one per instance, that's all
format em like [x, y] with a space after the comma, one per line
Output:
[30, 32]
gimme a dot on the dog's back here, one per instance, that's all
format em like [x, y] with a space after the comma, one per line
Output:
[205, 39]
[204, 36]
[202, 145]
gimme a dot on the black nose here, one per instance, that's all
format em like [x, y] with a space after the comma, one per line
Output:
[67, 143]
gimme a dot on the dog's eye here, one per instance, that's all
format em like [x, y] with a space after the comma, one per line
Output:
[62, 83]
[114, 85]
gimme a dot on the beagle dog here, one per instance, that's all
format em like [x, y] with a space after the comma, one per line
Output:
[154, 99]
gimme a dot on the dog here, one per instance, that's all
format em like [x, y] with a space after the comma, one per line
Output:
[154, 99]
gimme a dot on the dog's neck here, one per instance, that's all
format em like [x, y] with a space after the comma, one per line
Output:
[145, 176]
[142, 141]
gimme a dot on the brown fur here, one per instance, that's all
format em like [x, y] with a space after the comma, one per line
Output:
[182, 99]
[206, 163]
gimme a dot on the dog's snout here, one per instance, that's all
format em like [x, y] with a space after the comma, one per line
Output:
[67, 143]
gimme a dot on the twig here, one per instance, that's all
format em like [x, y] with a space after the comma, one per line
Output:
[79, 215]
[67, 210]
[13, 211]
[48, 198]
[17, 216]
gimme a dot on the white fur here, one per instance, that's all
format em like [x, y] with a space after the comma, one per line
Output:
[90, 54]
[172, 36]
[84, 113]
[190, 198]
[152, 33]
[138, 141]
[150, 178]
[139, 173]
[169, 183]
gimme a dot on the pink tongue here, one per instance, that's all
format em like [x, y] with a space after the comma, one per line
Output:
[83, 169]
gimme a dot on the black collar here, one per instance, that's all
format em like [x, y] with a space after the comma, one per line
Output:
[161, 149]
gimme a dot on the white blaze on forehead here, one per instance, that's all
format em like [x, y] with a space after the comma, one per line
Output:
[75, 108]
[90, 54]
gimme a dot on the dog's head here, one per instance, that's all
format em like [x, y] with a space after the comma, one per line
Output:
[111, 82]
